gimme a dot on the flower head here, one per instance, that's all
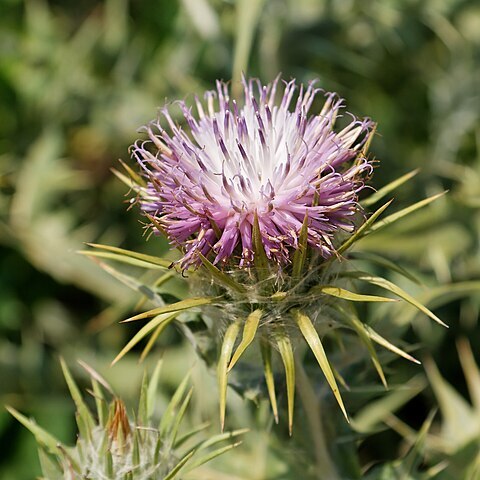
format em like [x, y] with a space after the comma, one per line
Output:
[267, 159]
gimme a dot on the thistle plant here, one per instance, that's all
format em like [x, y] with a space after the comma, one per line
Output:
[113, 445]
[261, 198]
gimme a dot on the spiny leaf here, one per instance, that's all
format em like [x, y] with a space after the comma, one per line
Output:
[151, 341]
[42, 436]
[249, 331]
[260, 257]
[210, 456]
[363, 229]
[50, 469]
[143, 401]
[391, 287]
[384, 191]
[175, 470]
[126, 180]
[368, 418]
[266, 350]
[311, 336]
[362, 332]
[386, 263]
[173, 307]
[301, 252]
[168, 418]
[286, 352]
[222, 367]
[144, 331]
[134, 175]
[470, 370]
[150, 259]
[83, 412]
[209, 442]
[190, 434]
[404, 212]
[347, 295]
[220, 276]
[386, 344]
[179, 416]
[120, 258]
[412, 460]
[153, 387]
[132, 283]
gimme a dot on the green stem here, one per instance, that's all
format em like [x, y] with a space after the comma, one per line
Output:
[326, 469]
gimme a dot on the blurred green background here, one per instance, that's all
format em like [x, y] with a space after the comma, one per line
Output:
[77, 79]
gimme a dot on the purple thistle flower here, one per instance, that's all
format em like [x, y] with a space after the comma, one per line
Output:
[206, 183]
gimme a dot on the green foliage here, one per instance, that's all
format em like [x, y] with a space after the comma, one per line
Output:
[76, 79]
[115, 446]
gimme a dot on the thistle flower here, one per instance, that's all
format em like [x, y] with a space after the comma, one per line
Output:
[263, 159]
[261, 198]
[114, 446]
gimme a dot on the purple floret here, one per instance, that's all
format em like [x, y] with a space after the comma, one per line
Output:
[207, 181]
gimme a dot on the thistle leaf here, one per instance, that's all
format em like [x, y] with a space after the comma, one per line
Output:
[404, 212]
[386, 344]
[179, 416]
[347, 295]
[286, 352]
[384, 262]
[223, 278]
[121, 258]
[153, 387]
[133, 175]
[168, 417]
[391, 287]
[249, 331]
[144, 331]
[85, 418]
[375, 412]
[300, 254]
[363, 229]
[266, 350]
[222, 367]
[150, 259]
[151, 341]
[43, 437]
[173, 307]
[390, 187]
[50, 469]
[176, 470]
[362, 332]
[132, 283]
[311, 336]
[211, 455]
